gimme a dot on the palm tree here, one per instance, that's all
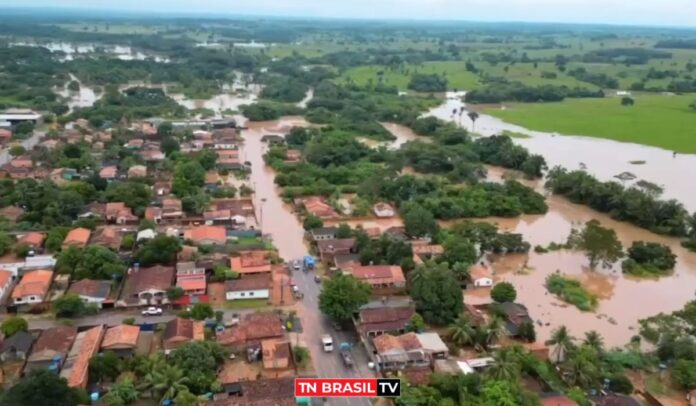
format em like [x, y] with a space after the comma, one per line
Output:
[122, 393]
[562, 341]
[582, 368]
[505, 366]
[461, 331]
[168, 380]
[171, 380]
[495, 330]
[473, 116]
[594, 340]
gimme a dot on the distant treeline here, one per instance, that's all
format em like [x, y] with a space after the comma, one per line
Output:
[519, 92]
[676, 43]
[635, 205]
[633, 56]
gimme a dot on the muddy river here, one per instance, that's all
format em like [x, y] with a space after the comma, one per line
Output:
[602, 158]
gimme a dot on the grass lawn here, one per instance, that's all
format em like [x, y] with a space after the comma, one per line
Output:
[246, 304]
[662, 121]
[457, 75]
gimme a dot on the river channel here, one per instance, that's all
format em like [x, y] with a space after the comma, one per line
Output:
[602, 158]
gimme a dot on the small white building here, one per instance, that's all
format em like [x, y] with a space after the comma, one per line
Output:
[249, 287]
[148, 234]
[383, 210]
[481, 276]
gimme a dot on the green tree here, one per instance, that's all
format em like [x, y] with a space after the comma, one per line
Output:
[505, 367]
[627, 101]
[93, 262]
[175, 293]
[170, 145]
[165, 379]
[504, 292]
[40, 388]
[186, 398]
[208, 159]
[459, 250]
[200, 360]
[600, 244]
[462, 332]
[202, 311]
[582, 367]
[344, 231]
[684, 373]
[165, 129]
[594, 340]
[24, 128]
[6, 243]
[419, 222]
[416, 323]
[436, 293]
[160, 250]
[527, 332]
[649, 258]
[55, 237]
[342, 295]
[105, 367]
[13, 325]
[17, 150]
[69, 305]
[562, 342]
[311, 222]
[122, 393]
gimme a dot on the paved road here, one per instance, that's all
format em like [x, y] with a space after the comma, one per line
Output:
[28, 144]
[115, 317]
[288, 236]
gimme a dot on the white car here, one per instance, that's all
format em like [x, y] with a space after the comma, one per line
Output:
[297, 265]
[152, 311]
[327, 343]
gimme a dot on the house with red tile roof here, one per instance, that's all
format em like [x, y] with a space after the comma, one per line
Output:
[11, 213]
[191, 278]
[147, 286]
[249, 287]
[92, 291]
[206, 235]
[392, 353]
[33, 287]
[374, 321]
[315, 205]
[51, 349]
[330, 249]
[153, 213]
[5, 136]
[108, 236]
[33, 240]
[86, 346]
[379, 276]
[6, 279]
[252, 329]
[172, 208]
[108, 172]
[121, 339]
[77, 237]
[181, 331]
[119, 213]
[251, 262]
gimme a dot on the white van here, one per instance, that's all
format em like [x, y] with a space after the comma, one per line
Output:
[327, 343]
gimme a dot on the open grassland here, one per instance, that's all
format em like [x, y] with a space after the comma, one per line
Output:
[457, 75]
[657, 120]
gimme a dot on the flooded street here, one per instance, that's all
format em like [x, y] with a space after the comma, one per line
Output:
[282, 225]
[309, 96]
[623, 300]
[603, 158]
[85, 97]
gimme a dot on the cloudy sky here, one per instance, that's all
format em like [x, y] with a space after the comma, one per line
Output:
[649, 12]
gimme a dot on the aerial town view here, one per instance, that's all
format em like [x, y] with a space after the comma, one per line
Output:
[491, 203]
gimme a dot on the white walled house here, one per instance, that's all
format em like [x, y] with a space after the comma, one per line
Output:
[91, 291]
[250, 287]
[32, 288]
[481, 276]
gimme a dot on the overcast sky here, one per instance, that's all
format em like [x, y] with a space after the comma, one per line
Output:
[648, 12]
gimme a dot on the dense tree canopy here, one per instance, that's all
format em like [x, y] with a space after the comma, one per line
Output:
[341, 296]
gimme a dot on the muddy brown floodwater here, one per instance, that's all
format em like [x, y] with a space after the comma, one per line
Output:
[623, 300]
[603, 158]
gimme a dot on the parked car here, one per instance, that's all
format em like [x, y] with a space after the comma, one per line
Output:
[297, 265]
[152, 311]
